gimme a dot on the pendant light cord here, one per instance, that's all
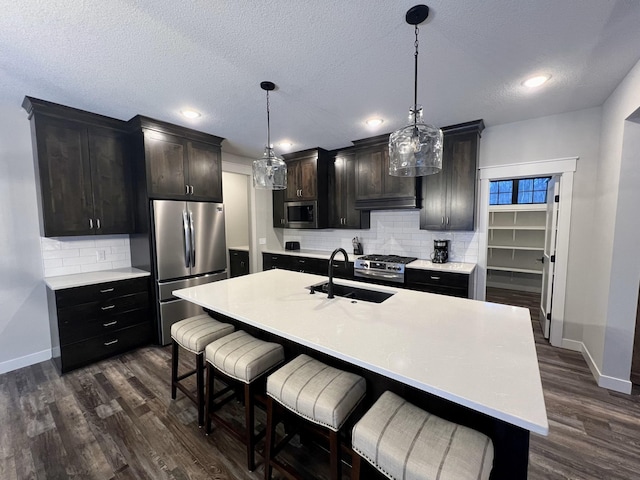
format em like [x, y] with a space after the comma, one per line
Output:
[268, 124]
[415, 82]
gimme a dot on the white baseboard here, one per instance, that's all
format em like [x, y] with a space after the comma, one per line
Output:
[574, 345]
[25, 361]
[605, 381]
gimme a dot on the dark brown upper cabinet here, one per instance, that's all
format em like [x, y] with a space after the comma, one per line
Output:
[82, 171]
[342, 194]
[307, 181]
[450, 196]
[375, 188]
[306, 174]
[179, 163]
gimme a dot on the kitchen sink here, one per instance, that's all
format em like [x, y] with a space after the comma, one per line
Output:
[354, 293]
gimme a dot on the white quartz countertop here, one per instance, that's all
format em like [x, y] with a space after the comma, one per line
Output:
[455, 267]
[244, 248]
[91, 278]
[477, 354]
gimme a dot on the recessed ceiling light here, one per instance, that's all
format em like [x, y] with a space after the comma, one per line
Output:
[285, 144]
[374, 122]
[190, 113]
[536, 81]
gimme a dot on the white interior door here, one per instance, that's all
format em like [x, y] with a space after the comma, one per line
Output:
[548, 260]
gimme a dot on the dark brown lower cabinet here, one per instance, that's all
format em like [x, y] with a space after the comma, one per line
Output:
[432, 281]
[238, 263]
[93, 322]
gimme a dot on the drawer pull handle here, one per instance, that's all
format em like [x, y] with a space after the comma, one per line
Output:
[112, 342]
[109, 324]
[108, 307]
[435, 278]
[107, 290]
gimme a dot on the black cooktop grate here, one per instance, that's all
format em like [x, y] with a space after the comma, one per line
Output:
[388, 258]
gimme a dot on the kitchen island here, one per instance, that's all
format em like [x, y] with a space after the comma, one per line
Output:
[473, 362]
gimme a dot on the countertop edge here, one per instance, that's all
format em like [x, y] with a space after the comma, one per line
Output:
[91, 278]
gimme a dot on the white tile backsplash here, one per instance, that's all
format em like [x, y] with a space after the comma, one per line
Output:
[67, 255]
[394, 232]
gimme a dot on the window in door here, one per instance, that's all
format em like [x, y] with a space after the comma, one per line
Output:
[520, 191]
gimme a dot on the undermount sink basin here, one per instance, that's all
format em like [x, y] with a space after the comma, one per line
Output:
[354, 293]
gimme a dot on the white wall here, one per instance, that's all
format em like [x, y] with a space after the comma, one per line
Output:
[618, 198]
[24, 324]
[559, 136]
[236, 202]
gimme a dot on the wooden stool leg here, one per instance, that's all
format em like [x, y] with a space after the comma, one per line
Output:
[249, 426]
[269, 440]
[355, 466]
[334, 452]
[209, 399]
[174, 368]
[200, 387]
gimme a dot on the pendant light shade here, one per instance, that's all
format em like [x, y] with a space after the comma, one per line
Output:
[415, 150]
[269, 172]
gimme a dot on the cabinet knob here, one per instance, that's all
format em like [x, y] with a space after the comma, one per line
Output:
[107, 290]
[98, 222]
[109, 324]
[191, 188]
[112, 342]
[108, 307]
[186, 189]
[91, 223]
[442, 221]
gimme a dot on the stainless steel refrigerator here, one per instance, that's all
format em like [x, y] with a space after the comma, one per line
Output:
[189, 249]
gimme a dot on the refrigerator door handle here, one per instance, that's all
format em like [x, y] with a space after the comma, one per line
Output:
[193, 240]
[187, 239]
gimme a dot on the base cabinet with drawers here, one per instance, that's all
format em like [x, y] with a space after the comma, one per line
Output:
[433, 281]
[93, 322]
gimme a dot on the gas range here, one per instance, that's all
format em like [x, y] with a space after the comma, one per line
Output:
[384, 268]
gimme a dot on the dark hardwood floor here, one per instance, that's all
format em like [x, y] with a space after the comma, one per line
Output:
[115, 420]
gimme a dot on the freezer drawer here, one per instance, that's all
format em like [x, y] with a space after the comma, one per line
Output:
[165, 288]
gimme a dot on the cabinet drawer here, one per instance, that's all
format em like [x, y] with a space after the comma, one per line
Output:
[78, 329]
[446, 283]
[77, 314]
[100, 291]
[82, 353]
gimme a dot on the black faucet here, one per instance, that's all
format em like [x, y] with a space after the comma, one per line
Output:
[346, 261]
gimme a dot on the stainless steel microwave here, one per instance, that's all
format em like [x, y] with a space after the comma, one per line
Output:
[301, 214]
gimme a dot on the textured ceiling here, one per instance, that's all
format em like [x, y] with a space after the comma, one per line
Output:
[335, 62]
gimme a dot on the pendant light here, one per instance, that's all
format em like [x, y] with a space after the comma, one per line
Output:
[415, 150]
[269, 172]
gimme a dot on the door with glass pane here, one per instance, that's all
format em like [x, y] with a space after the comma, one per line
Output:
[548, 260]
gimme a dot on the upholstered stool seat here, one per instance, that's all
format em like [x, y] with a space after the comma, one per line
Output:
[321, 394]
[194, 334]
[245, 359]
[403, 441]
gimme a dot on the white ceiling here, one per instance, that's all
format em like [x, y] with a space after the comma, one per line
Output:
[335, 62]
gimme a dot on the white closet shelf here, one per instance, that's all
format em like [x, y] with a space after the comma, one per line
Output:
[517, 270]
[517, 247]
[517, 227]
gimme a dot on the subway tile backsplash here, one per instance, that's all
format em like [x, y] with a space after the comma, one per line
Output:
[394, 232]
[63, 256]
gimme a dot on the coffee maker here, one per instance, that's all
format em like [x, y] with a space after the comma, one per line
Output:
[440, 251]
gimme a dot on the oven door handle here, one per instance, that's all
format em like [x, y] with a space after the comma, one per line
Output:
[370, 273]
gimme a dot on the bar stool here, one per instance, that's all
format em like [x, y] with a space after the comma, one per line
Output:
[403, 441]
[240, 358]
[194, 334]
[318, 393]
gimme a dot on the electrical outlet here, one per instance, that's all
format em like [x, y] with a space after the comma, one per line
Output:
[262, 241]
[102, 255]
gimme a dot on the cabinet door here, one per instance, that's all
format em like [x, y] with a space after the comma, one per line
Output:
[370, 182]
[293, 181]
[307, 179]
[345, 193]
[278, 208]
[166, 157]
[65, 177]
[110, 180]
[238, 263]
[205, 172]
[434, 194]
[461, 191]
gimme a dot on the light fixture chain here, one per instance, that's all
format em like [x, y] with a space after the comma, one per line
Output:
[415, 81]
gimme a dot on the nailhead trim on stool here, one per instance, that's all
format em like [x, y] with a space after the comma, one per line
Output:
[194, 334]
[405, 442]
[246, 359]
[318, 393]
